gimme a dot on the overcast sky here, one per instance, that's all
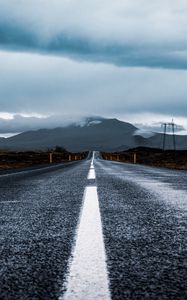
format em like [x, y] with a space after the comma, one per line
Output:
[62, 60]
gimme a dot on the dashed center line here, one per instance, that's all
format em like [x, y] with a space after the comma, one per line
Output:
[88, 278]
[91, 174]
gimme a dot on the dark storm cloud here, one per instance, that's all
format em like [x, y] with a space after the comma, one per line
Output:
[125, 33]
[12, 38]
[123, 59]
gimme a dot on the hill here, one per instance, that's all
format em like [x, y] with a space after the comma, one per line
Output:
[95, 134]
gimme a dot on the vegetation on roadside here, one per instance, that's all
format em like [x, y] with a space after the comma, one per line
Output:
[21, 159]
[175, 159]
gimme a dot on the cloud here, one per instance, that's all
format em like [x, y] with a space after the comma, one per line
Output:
[151, 123]
[67, 59]
[19, 123]
[156, 127]
[146, 133]
[34, 84]
[124, 33]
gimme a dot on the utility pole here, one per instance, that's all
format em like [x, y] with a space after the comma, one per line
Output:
[164, 138]
[171, 125]
[173, 131]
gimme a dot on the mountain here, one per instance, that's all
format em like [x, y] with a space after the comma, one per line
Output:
[93, 134]
[156, 141]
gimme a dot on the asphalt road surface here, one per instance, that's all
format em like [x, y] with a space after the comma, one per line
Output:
[93, 230]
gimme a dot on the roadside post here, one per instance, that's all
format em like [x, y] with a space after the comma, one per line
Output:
[135, 158]
[51, 158]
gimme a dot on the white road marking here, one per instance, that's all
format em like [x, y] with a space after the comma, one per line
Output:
[27, 171]
[91, 174]
[93, 157]
[88, 277]
[92, 161]
[13, 201]
[36, 169]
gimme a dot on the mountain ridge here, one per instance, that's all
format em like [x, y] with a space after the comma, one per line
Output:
[94, 134]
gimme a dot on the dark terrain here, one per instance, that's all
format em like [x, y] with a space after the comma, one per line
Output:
[15, 160]
[150, 156]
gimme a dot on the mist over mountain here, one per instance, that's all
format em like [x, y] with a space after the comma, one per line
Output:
[92, 134]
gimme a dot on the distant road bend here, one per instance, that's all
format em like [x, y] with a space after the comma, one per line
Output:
[92, 230]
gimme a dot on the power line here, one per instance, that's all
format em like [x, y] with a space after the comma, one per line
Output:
[171, 125]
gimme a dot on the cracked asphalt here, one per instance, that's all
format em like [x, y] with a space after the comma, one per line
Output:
[143, 213]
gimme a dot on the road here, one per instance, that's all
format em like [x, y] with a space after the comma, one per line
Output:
[93, 230]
